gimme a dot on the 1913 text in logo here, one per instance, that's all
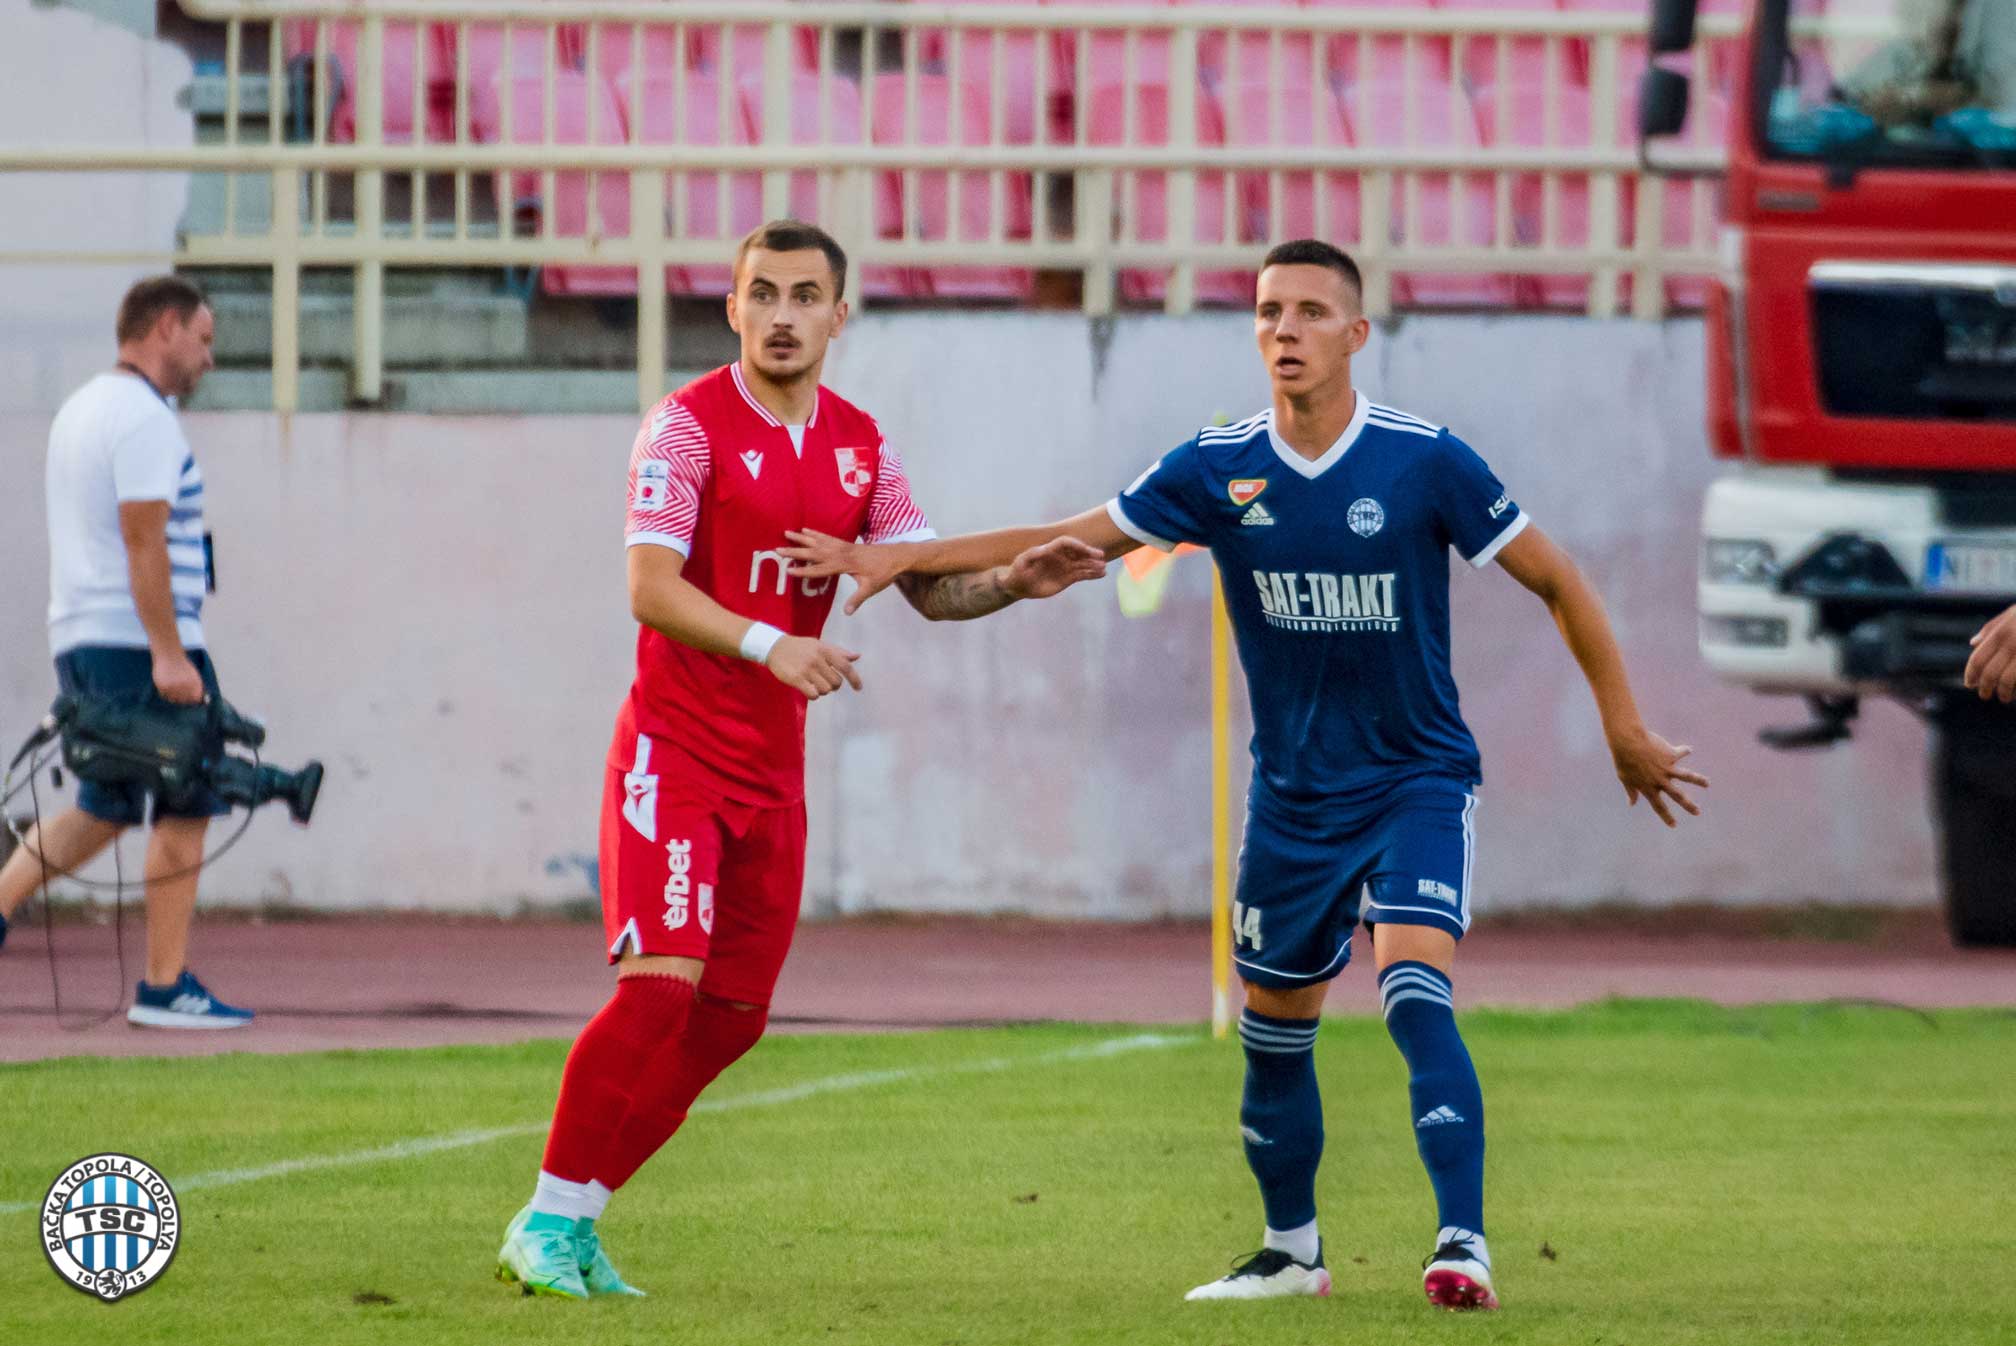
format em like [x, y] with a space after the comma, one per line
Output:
[110, 1225]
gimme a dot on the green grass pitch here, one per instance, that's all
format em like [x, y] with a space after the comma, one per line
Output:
[1659, 1173]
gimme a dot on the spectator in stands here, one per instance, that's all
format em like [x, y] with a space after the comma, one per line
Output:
[129, 565]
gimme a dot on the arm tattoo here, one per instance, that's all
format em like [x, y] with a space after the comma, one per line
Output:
[955, 598]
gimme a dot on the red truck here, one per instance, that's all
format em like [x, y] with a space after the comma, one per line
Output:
[1861, 341]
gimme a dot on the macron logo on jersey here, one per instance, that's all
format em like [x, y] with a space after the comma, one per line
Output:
[1296, 600]
[640, 793]
[753, 460]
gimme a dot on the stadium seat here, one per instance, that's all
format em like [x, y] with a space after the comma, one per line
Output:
[1452, 209]
[1141, 199]
[687, 109]
[407, 54]
[931, 212]
[584, 204]
[973, 54]
[1245, 54]
[616, 46]
[703, 45]
[527, 43]
[843, 127]
[1303, 117]
[1525, 108]
[1631, 54]
[1491, 58]
[1107, 61]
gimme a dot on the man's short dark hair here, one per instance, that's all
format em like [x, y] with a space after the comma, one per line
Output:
[796, 236]
[1315, 252]
[149, 299]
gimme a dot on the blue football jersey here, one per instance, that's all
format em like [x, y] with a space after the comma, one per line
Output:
[1336, 573]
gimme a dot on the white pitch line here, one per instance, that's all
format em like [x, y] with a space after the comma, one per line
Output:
[830, 1084]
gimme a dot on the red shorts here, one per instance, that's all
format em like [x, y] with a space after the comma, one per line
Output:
[686, 874]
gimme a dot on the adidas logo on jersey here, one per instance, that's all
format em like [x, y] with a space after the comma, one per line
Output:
[1442, 1116]
[1257, 514]
[753, 460]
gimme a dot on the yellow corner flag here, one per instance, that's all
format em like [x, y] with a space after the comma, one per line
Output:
[1144, 577]
[1144, 574]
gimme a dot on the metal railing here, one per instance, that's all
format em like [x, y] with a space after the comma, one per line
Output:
[1234, 113]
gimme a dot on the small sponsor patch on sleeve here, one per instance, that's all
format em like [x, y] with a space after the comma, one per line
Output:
[654, 484]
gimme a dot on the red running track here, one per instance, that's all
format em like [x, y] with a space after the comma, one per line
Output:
[413, 982]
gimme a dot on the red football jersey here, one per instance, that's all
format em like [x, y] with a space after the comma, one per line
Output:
[716, 477]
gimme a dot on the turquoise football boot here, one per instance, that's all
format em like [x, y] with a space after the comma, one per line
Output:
[597, 1272]
[540, 1254]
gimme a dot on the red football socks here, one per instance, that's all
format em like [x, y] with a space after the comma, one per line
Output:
[716, 1037]
[609, 1068]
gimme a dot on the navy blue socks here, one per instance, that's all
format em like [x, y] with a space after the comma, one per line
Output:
[1281, 1118]
[1448, 1108]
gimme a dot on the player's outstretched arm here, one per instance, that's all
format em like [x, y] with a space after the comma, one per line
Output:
[1040, 572]
[1027, 550]
[1647, 764]
[662, 598]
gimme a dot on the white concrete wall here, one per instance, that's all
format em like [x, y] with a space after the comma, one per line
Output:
[73, 79]
[435, 607]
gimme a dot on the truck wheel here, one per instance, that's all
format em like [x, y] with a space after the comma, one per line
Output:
[1974, 813]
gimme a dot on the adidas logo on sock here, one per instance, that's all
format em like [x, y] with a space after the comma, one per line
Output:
[1441, 1116]
[1257, 514]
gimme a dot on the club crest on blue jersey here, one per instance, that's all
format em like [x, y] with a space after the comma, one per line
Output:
[1366, 516]
[1245, 489]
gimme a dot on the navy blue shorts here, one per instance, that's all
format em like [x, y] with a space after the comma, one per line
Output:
[124, 674]
[1303, 874]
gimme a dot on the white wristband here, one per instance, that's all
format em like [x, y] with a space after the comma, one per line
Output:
[758, 641]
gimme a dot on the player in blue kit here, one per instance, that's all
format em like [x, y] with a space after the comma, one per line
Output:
[1331, 519]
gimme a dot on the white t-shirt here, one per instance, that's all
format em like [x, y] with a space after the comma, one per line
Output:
[115, 440]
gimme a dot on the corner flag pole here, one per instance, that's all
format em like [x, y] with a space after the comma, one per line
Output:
[1221, 810]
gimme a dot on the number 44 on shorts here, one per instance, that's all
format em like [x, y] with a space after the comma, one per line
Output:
[1246, 926]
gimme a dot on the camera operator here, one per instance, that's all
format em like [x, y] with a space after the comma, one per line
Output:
[129, 565]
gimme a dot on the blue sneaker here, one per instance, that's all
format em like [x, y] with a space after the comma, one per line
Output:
[186, 1004]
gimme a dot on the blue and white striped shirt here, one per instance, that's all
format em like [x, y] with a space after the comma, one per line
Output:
[116, 440]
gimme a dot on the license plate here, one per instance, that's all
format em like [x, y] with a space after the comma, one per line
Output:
[1971, 567]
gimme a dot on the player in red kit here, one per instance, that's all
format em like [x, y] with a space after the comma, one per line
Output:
[703, 812]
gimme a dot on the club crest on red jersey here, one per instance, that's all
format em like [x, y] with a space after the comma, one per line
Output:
[855, 474]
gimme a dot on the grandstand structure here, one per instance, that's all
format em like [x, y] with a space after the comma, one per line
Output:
[1474, 154]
